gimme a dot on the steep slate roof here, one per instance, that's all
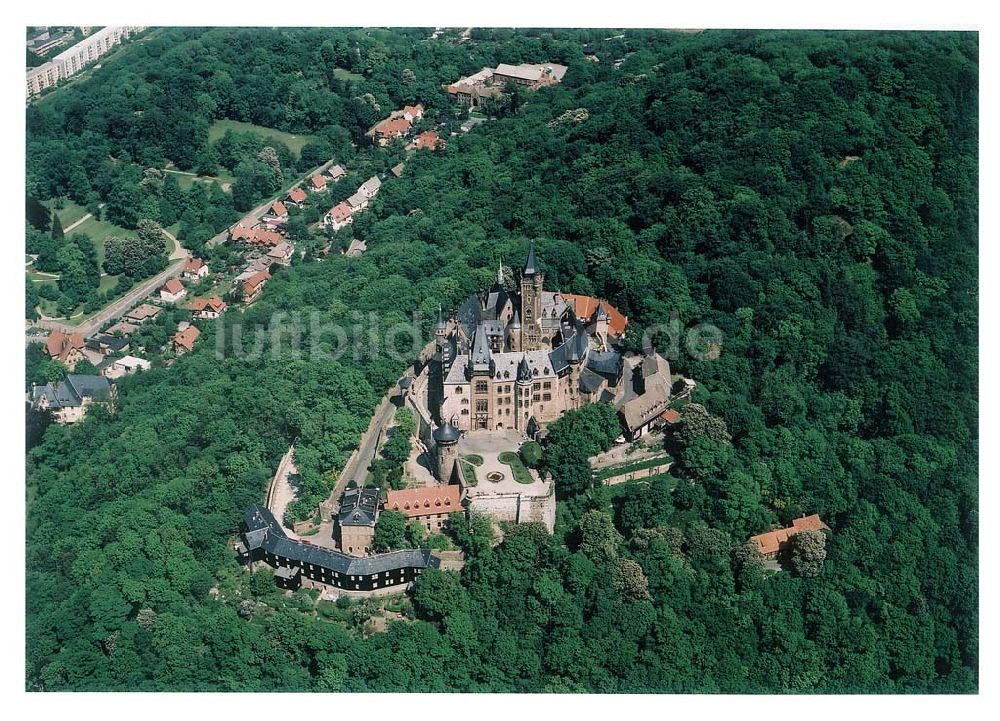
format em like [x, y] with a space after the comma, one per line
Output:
[446, 433]
[71, 392]
[359, 507]
[641, 410]
[531, 267]
[263, 531]
[413, 502]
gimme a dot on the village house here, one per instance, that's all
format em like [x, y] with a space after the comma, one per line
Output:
[338, 216]
[357, 202]
[336, 173]
[428, 140]
[67, 348]
[359, 508]
[277, 212]
[125, 366]
[370, 187]
[183, 341]
[770, 544]
[140, 314]
[260, 237]
[68, 400]
[105, 344]
[172, 291]
[254, 285]
[208, 308]
[194, 270]
[296, 197]
[413, 113]
[385, 131]
[317, 184]
[397, 170]
[429, 506]
[281, 253]
[122, 328]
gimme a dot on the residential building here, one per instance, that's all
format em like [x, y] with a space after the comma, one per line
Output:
[336, 173]
[317, 184]
[208, 308]
[106, 344]
[194, 270]
[277, 212]
[429, 505]
[254, 285]
[770, 544]
[385, 131]
[122, 328]
[428, 140]
[281, 253]
[397, 170]
[297, 196]
[357, 202]
[339, 216]
[258, 236]
[68, 400]
[370, 187]
[295, 562]
[140, 314]
[183, 341]
[172, 291]
[356, 520]
[67, 348]
[472, 90]
[72, 60]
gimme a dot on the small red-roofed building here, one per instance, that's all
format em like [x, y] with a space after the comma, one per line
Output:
[277, 212]
[208, 308]
[194, 269]
[184, 341]
[317, 184]
[430, 506]
[297, 196]
[339, 216]
[172, 291]
[773, 542]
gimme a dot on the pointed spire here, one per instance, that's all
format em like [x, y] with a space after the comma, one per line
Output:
[531, 267]
[500, 273]
[523, 371]
[481, 354]
[440, 322]
[515, 322]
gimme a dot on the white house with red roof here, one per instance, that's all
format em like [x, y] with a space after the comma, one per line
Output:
[297, 196]
[338, 216]
[277, 212]
[194, 270]
[317, 184]
[172, 291]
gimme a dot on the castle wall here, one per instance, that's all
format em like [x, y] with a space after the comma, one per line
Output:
[518, 508]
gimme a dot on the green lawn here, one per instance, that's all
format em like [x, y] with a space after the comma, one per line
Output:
[517, 467]
[469, 471]
[342, 74]
[294, 142]
[473, 458]
[99, 231]
[69, 214]
[185, 181]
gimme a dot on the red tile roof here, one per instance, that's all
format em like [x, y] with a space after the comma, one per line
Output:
[194, 264]
[251, 283]
[59, 344]
[340, 212]
[773, 541]
[278, 208]
[417, 109]
[671, 416]
[413, 502]
[391, 127]
[173, 286]
[586, 306]
[318, 182]
[297, 195]
[428, 139]
[186, 338]
[215, 304]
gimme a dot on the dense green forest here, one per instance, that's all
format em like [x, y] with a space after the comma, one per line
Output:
[813, 195]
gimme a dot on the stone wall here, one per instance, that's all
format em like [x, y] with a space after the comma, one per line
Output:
[641, 473]
[518, 508]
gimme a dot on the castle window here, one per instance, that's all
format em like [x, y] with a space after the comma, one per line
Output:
[536, 386]
[535, 397]
[482, 387]
[482, 406]
[507, 411]
[547, 384]
[546, 396]
[465, 411]
[465, 401]
[506, 389]
[458, 389]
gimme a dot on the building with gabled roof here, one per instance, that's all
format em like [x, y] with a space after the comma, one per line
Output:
[336, 173]
[194, 269]
[359, 509]
[67, 348]
[317, 184]
[263, 539]
[172, 291]
[297, 196]
[370, 187]
[771, 543]
[338, 216]
[253, 285]
[277, 211]
[183, 341]
[430, 505]
[208, 308]
[68, 400]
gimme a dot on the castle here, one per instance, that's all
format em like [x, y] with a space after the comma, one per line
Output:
[518, 358]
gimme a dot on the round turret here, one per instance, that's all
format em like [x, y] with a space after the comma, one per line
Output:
[446, 434]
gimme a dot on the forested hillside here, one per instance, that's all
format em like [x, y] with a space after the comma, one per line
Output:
[814, 195]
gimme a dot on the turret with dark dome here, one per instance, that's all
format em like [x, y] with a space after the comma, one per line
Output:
[446, 433]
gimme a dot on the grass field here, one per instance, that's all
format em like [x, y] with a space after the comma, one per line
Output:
[294, 142]
[186, 180]
[342, 74]
[99, 231]
[69, 214]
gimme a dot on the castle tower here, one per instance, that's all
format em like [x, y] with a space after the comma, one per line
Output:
[446, 448]
[531, 303]
[440, 332]
[513, 334]
[522, 396]
[579, 346]
[480, 372]
[601, 320]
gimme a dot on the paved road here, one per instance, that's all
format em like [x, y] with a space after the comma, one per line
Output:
[118, 308]
[254, 215]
